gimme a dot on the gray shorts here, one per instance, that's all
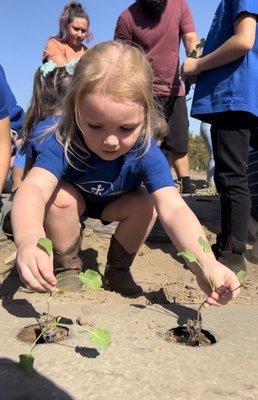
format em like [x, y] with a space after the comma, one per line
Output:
[175, 112]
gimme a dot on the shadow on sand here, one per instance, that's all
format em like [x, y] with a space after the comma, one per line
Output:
[16, 386]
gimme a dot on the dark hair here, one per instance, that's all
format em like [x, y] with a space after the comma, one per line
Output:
[160, 127]
[71, 10]
[47, 98]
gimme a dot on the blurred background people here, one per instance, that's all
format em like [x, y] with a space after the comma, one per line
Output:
[67, 45]
[157, 26]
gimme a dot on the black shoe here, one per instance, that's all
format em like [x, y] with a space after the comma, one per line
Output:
[216, 250]
[186, 186]
[121, 281]
[234, 261]
[7, 226]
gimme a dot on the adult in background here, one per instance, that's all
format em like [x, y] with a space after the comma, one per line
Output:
[8, 108]
[158, 26]
[68, 44]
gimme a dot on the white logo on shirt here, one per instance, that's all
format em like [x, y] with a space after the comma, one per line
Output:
[97, 190]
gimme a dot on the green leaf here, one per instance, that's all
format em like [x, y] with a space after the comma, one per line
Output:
[188, 255]
[193, 54]
[205, 245]
[241, 277]
[101, 337]
[46, 245]
[201, 44]
[26, 363]
[91, 278]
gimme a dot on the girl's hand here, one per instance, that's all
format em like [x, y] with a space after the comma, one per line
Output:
[35, 268]
[224, 280]
[190, 67]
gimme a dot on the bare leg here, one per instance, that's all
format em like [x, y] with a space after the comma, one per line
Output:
[62, 216]
[180, 163]
[136, 214]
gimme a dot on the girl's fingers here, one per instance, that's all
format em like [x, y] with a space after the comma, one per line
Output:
[29, 280]
[45, 269]
[31, 275]
[210, 301]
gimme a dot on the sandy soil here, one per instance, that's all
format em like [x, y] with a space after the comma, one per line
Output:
[155, 268]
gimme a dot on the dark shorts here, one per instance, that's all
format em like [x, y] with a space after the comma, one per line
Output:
[94, 210]
[175, 112]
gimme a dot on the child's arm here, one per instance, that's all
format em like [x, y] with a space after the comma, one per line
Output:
[5, 150]
[27, 216]
[234, 48]
[184, 230]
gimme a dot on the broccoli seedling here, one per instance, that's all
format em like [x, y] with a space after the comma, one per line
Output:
[191, 257]
[99, 336]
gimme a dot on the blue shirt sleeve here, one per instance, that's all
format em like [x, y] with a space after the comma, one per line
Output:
[248, 6]
[13, 109]
[20, 159]
[156, 170]
[3, 105]
[52, 158]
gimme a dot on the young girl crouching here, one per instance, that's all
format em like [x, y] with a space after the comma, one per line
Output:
[96, 166]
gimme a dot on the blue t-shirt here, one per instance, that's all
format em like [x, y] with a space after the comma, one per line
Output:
[20, 159]
[231, 87]
[3, 106]
[40, 133]
[15, 112]
[104, 181]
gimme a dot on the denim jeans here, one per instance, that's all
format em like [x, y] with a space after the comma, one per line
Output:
[205, 131]
[231, 134]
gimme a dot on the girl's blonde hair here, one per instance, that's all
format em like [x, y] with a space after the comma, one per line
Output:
[121, 71]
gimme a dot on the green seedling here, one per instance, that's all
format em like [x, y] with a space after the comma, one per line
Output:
[195, 52]
[191, 257]
[49, 324]
[46, 245]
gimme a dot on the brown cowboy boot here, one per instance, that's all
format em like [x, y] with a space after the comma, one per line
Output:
[68, 264]
[117, 272]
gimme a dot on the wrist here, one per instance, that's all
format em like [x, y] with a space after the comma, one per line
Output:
[201, 64]
[203, 265]
[28, 241]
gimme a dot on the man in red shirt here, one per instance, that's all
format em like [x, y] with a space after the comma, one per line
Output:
[158, 26]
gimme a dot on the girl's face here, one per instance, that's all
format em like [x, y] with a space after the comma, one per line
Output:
[110, 129]
[77, 31]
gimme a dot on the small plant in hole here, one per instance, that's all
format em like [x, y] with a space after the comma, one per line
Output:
[194, 327]
[50, 325]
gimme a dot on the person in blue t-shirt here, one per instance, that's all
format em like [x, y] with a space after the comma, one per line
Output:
[49, 88]
[226, 96]
[16, 115]
[5, 135]
[15, 111]
[103, 163]
[11, 121]
[45, 109]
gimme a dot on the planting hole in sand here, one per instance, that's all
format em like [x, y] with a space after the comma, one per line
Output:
[194, 338]
[45, 331]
